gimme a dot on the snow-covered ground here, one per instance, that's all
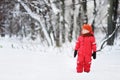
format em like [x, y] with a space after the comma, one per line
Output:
[54, 64]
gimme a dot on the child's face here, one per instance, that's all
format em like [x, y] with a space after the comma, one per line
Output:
[84, 31]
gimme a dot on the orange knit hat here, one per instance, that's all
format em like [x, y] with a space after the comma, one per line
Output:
[87, 27]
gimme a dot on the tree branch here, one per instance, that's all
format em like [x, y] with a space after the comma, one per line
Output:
[36, 17]
[105, 40]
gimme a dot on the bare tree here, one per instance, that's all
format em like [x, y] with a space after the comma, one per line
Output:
[112, 20]
[84, 11]
[58, 30]
[70, 34]
[63, 21]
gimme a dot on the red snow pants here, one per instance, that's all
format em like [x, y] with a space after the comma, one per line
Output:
[83, 63]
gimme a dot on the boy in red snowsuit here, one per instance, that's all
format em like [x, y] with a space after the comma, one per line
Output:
[85, 48]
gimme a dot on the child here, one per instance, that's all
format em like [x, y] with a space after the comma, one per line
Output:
[85, 47]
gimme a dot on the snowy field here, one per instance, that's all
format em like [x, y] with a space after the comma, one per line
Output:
[55, 64]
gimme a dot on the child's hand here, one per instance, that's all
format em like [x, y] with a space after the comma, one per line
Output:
[75, 53]
[94, 55]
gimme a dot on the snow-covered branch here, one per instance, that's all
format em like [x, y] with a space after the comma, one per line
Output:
[36, 17]
[105, 40]
[54, 8]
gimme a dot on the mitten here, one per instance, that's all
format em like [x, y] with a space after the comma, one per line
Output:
[75, 53]
[94, 55]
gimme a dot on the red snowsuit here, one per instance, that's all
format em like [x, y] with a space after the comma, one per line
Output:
[85, 46]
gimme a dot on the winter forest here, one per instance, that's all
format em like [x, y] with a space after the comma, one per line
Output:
[37, 38]
[55, 22]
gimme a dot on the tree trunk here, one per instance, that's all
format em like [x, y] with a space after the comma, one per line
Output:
[112, 20]
[84, 6]
[58, 31]
[63, 21]
[94, 13]
[72, 22]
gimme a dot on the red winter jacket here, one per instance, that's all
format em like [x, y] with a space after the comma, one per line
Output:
[85, 45]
